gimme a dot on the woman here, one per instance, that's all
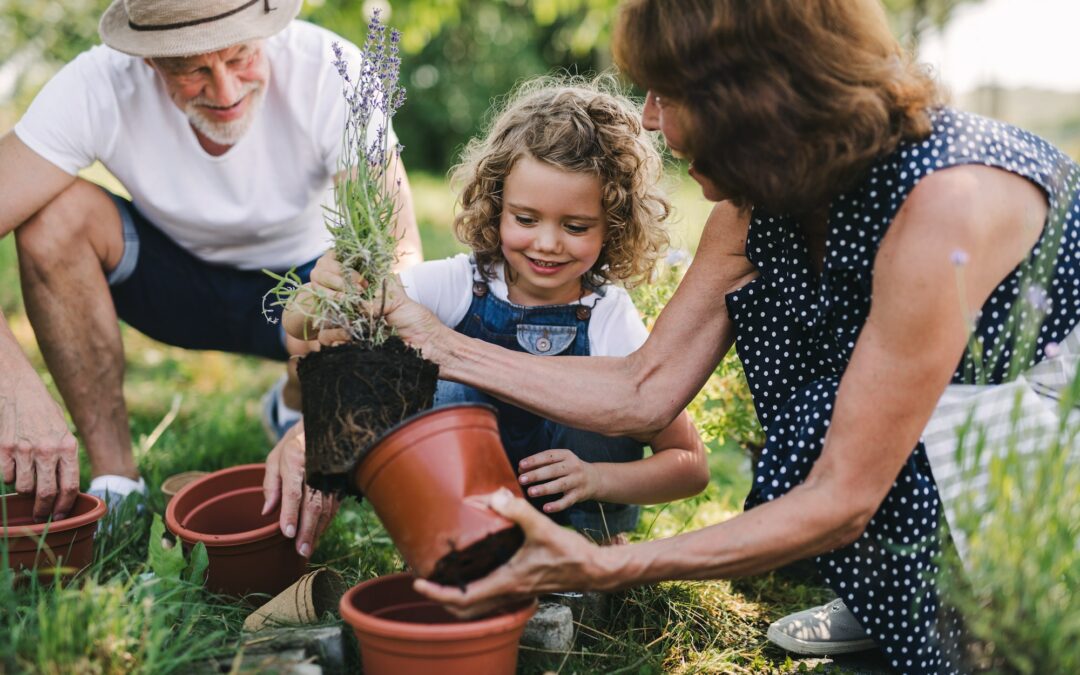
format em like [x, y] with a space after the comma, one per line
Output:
[839, 182]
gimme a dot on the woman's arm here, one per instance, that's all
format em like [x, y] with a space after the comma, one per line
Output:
[637, 395]
[905, 356]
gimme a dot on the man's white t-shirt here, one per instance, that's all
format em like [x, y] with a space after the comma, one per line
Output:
[445, 287]
[258, 205]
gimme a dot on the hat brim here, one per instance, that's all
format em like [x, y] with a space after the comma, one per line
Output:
[252, 23]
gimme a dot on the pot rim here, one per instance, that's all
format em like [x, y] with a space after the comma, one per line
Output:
[439, 632]
[234, 539]
[92, 515]
[408, 422]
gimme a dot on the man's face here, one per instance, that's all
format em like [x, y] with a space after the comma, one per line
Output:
[220, 91]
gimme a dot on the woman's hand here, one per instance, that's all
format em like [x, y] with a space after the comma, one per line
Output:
[551, 559]
[555, 471]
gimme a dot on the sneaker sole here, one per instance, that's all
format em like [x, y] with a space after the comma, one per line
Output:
[808, 648]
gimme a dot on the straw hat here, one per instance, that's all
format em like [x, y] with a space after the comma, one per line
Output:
[187, 27]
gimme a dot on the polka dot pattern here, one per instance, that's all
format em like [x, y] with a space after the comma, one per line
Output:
[796, 332]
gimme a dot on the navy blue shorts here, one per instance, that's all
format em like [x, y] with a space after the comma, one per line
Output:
[168, 294]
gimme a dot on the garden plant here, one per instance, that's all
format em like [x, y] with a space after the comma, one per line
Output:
[355, 391]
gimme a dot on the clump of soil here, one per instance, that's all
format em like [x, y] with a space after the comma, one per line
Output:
[459, 567]
[351, 396]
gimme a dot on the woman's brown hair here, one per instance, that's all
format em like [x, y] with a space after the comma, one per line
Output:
[581, 126]
[784, 102]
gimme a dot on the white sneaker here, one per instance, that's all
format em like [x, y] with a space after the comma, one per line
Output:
[819, 631]
[114, 489]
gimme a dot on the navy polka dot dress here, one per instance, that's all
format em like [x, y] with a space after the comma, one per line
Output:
[796, 331]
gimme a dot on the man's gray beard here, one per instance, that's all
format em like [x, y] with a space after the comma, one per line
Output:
[226, 133]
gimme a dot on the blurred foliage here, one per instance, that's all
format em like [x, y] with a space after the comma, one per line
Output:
[1017, 586]
[911, 17]
[723, 410]
[460, 55]
[463, 54]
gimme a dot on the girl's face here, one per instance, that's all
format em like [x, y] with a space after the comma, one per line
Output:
[663, 115]
[552, 231]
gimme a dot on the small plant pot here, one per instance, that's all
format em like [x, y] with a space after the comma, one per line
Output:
[423, 479]
[351, 396]
[173, 484]
[66, 544]
[247, 551]
[403, 633]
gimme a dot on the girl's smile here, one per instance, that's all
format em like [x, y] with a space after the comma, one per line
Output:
[552, 231]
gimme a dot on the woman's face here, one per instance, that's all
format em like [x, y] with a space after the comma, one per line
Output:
[665, 116]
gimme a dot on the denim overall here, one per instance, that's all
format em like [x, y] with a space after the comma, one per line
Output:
[548, 330]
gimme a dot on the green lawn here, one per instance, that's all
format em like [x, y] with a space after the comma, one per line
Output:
[204, 409]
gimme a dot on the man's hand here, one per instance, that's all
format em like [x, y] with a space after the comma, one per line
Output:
[551, 559]
[37, 451]
[554, 471]
[284, 484]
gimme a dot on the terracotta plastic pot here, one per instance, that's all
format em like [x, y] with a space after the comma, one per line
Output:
[247, 552]
[422, 477]
[68, 543]
[403, 633]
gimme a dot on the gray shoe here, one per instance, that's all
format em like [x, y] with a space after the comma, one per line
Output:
[828, 629]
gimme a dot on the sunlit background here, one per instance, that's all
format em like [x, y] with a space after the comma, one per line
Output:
[1016, 60]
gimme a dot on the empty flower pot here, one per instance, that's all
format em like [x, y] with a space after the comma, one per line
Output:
[403, 633]
[423, 479]
[247, 551]
[67, 543]
[173, 484]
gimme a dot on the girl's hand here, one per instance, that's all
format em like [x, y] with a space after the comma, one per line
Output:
[555, 471]
[415, 324]
[551, 559]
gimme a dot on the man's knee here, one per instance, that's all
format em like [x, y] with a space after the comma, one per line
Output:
[82, 219]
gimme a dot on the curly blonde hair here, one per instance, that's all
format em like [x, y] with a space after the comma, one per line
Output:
[582, 126]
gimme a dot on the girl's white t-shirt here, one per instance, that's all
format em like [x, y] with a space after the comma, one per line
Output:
[445, 287]
[258, 205]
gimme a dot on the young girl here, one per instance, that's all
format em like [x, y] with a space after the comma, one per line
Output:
[559, 203]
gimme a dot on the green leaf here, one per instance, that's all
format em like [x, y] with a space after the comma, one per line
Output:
[196, 570]
[167, 563]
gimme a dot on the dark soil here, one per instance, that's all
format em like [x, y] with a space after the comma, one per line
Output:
[351, 395]
[458, 568]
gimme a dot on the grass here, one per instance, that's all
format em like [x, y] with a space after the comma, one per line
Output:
[199, 410]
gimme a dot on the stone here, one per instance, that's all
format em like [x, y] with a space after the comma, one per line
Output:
[550, 629]
[590, 607]
[324, 644]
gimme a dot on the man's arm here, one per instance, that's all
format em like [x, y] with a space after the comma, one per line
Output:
[37, 451]
[28, 182]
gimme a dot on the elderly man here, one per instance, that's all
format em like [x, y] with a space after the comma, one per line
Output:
[223, 119]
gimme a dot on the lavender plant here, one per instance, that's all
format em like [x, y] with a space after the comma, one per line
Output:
[363, 218]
